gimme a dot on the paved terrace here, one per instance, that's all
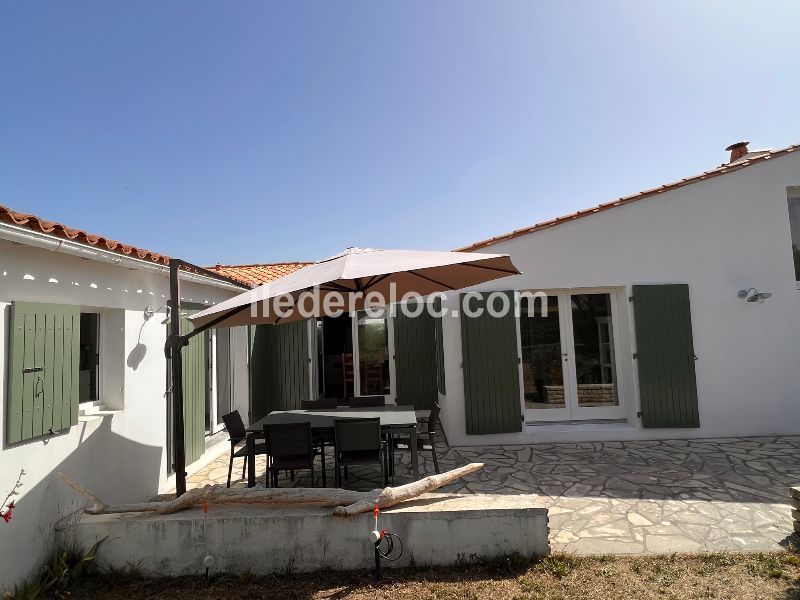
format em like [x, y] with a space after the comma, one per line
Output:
[621, 497]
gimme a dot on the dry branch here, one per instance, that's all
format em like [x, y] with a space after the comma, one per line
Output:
[347, 502]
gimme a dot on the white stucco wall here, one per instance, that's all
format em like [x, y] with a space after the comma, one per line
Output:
[121, 456]
[718, 236]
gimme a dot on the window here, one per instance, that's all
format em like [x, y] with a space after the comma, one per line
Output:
[352, 355]
[373, 355]
[88, 371]
[224, 374]
[793, 195]
[568, 367]
[540, 344]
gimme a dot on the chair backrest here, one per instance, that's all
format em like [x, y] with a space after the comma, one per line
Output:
[433, 417]
[234, 425]
[357, 435]
[320, 403]
[289, 439]
[362, 401]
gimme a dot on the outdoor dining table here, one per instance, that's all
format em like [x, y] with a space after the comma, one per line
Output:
[394, 419]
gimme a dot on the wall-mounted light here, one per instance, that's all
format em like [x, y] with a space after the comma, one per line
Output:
[149, 312]
[753, 295]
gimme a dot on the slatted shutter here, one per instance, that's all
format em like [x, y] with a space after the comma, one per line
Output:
[195, 385]
[491, 368]
[44, 349]
[415, 359]
[279, 367]
[440, 378]
[665, 356]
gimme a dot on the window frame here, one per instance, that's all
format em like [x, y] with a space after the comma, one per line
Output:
[793, 196]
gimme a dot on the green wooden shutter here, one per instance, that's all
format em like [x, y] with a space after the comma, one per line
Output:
[665, 350]
[491, 369]
[440, 378]
[44, 348]
[415, 359]
[194, 364]
[279, 367]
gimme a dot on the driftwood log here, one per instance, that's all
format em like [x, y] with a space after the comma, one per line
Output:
[346, 502]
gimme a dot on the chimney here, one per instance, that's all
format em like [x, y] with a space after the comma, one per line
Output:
[737, 150]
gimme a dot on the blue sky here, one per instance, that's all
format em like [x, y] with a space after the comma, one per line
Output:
[261, 131]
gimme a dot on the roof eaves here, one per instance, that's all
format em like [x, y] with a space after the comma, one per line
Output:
[79, 236]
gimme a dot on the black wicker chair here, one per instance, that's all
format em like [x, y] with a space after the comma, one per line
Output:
[358, 442]
[367, 401]
[320, 404]
[402, 443]
[290, 448]
[238, 433]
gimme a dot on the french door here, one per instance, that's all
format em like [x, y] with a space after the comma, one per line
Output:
[373, 349]
[352, 355]
[568, 356]
[219, 400]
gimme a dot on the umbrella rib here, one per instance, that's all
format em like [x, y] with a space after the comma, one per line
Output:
[510, 272]
[426, 278]
[375, 280]
[217, 320]
[337, 287]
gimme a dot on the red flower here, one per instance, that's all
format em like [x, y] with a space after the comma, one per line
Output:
[7, 516]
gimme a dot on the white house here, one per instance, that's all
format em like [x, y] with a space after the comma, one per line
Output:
[648, 335]
[73, 303]
[672, 313]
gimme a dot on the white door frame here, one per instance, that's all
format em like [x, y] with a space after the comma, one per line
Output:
[314, 354]
[213, 391]
[390, 397]
[313, 357]
[572, 411]
[548, 414]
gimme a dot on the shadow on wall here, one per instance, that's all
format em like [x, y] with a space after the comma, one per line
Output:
[116, 468]
[136, 356]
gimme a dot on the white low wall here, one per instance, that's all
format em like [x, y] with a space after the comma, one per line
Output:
[268, 540]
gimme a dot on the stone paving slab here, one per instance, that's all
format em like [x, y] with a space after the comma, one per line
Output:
[619, 497]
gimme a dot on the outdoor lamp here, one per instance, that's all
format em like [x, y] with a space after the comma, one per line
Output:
[149, 312]
[753, 295]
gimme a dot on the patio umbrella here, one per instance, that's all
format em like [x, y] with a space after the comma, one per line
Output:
[357, 275]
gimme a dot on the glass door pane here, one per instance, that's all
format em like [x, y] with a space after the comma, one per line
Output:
[373, 356]
[224, 373]
[593, 339]
[542, 356]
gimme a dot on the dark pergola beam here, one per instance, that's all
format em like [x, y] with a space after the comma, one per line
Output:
[173, 351]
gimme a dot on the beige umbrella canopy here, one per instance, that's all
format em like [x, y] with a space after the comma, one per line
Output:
[355, 275]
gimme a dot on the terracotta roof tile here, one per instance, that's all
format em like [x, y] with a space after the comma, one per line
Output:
[721, 170]
[78, 235]
[258, 274]
[58, 230]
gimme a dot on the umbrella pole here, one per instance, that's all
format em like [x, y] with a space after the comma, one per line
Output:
[175, 356]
